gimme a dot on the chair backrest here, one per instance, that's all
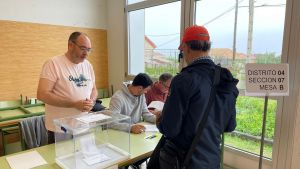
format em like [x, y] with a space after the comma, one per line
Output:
[102, 93]
[34, 132]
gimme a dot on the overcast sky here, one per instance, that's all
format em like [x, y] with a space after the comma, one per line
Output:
[162, 24]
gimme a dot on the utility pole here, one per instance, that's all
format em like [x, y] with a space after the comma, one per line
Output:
[250, 30]
[235, 31]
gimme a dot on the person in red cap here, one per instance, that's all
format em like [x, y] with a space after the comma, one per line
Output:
[184, 109]
[195, 44]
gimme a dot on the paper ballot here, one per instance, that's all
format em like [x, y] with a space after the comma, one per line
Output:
[88, 145]
[90, 151]
[158, 105]
[89, 118]
[96, 159]
[150, 128]
[26, 160]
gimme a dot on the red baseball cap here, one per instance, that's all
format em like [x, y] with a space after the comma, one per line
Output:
[194, 33]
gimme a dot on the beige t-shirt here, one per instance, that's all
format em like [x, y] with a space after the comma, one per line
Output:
[72, 81]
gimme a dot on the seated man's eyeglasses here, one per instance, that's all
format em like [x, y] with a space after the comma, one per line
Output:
[83, 48]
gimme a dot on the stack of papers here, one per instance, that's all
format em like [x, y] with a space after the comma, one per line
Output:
[89, 118]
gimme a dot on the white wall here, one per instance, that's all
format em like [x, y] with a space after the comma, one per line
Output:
[77, 13]
[116, 42]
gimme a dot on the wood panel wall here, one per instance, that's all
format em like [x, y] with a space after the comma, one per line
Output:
[24, 47]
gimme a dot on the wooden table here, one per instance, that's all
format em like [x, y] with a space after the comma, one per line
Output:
[105, 102]
[140, 148]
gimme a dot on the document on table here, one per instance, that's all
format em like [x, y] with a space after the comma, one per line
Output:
[89, 118]
[151, 128]
[25, 160]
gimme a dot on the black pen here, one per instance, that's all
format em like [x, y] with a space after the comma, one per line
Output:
[151, 136]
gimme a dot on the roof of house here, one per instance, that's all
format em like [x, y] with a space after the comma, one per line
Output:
[228, 53]
[150, 42]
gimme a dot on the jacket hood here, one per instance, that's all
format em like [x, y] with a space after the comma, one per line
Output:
[227, 81]
[126, 91]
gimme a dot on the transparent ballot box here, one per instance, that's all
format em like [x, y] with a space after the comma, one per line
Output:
[92, 141]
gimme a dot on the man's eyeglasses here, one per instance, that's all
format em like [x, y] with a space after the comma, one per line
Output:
[83, 48]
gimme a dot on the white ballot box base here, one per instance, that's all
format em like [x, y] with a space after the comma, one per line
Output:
[113, 155]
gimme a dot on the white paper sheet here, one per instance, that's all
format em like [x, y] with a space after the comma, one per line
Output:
[96, 159]
[150, 128]
[26, 160]
[89, 118]
[158, 105]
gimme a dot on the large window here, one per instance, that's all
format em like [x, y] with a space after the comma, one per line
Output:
[242, 31]
[153, 39]
[246, 31]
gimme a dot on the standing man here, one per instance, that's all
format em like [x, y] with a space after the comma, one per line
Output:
[130, 101]
[188, 99]
[159, 90]
[67, 83]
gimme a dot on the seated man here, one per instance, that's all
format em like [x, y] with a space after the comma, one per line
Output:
[160, 89]
[130, 101]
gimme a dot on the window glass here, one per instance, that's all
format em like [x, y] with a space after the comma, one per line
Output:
[255, 37]
[154, 35]
[249, 117]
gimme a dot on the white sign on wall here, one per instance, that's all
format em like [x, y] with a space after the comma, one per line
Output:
[267, 79]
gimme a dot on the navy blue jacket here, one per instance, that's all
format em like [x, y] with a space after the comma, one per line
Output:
[185, 106]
